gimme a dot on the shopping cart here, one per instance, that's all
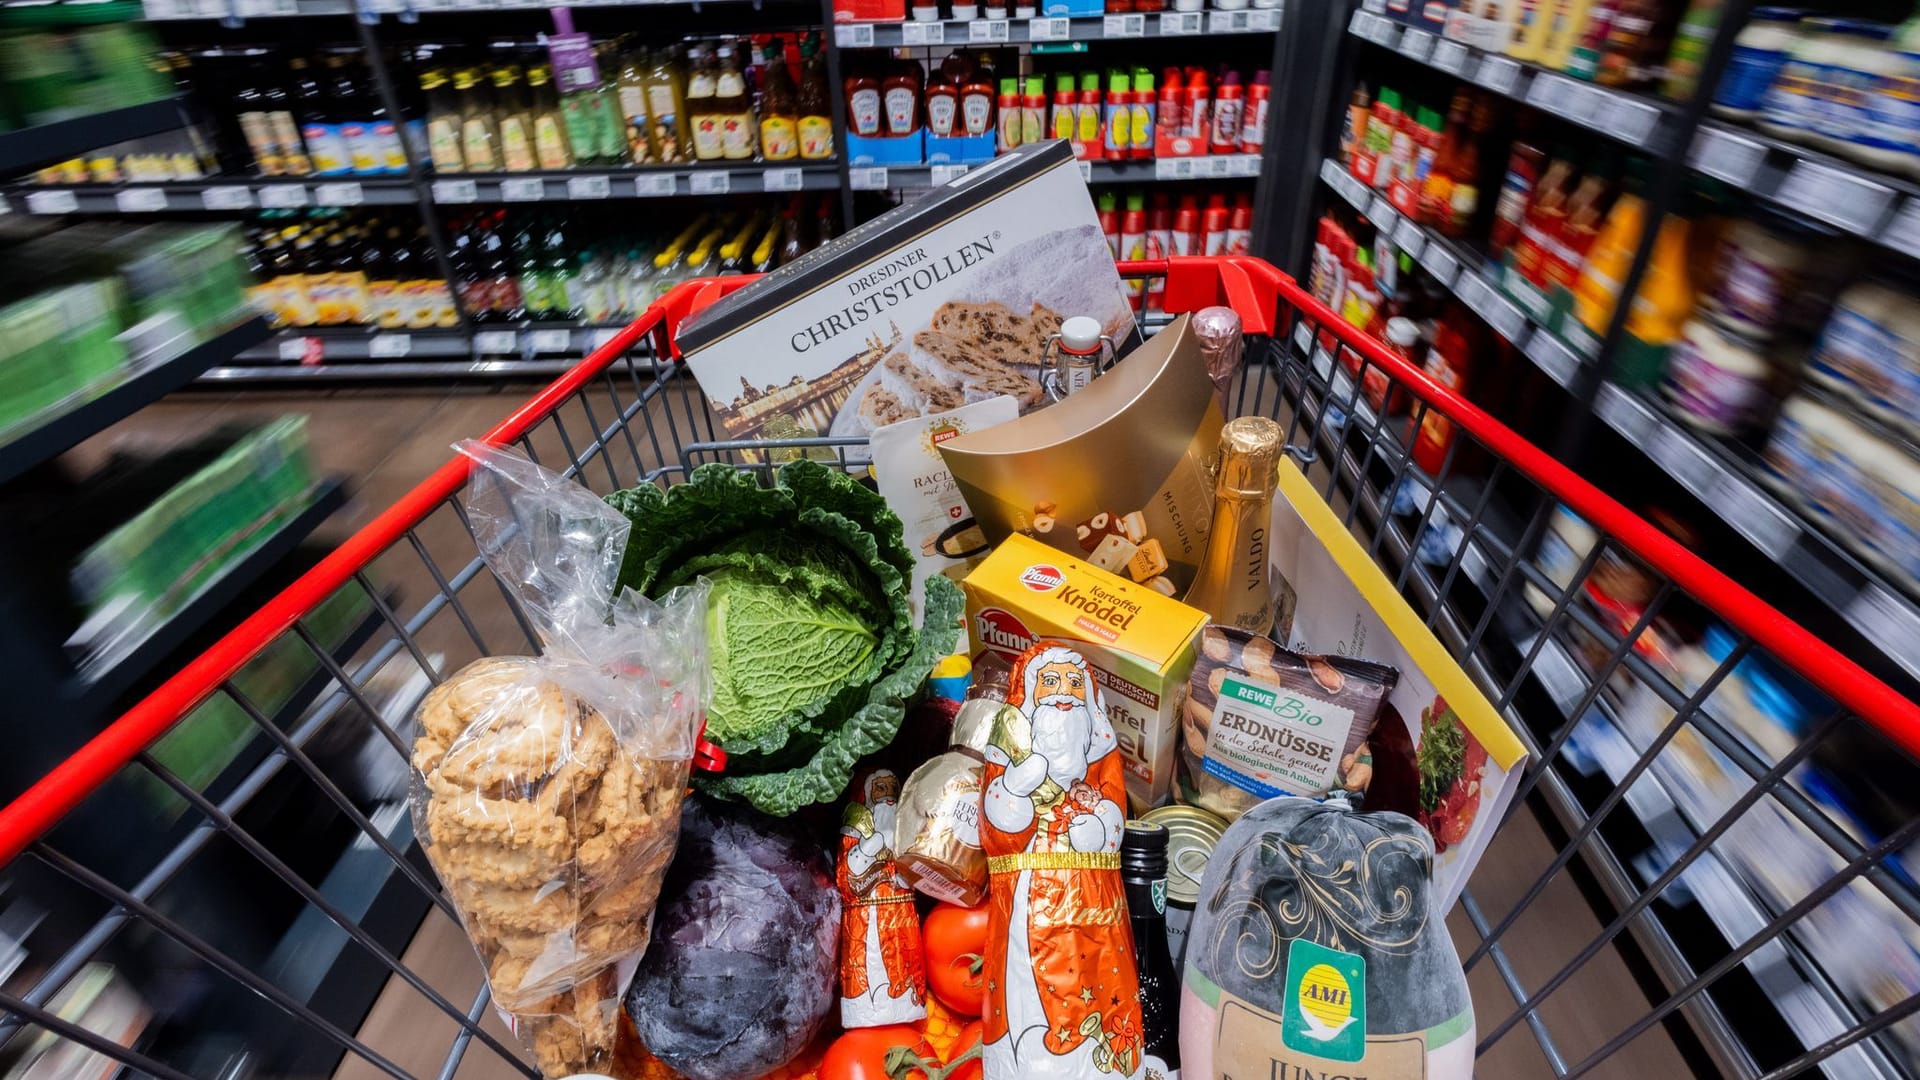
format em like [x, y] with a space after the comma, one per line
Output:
[1579, 926]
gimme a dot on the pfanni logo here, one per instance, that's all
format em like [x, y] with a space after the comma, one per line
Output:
[1001, 629]
[1042, 578]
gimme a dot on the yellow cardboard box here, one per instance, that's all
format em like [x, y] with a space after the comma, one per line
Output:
[1139, 643]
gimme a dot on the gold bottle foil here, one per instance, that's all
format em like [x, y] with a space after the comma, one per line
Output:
[1218, 329]
[937, 830]
[1233, 584]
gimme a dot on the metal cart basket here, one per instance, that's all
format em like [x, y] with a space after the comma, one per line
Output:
[1638, 909]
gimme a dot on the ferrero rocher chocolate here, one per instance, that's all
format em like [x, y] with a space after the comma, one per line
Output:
[937, 833]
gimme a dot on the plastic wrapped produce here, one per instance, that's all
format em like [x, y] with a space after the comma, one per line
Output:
[547, 789]
[744, 966]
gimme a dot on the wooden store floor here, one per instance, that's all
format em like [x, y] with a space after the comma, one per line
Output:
[385, 440]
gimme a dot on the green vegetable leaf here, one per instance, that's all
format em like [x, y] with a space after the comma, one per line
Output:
[1441, 757]
[866, 729]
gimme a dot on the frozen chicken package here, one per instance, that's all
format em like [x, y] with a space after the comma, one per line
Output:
[547, 789]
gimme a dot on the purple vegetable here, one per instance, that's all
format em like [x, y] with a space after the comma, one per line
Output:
[743, 966]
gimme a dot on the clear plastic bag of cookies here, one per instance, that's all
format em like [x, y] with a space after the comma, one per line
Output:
[547, 788]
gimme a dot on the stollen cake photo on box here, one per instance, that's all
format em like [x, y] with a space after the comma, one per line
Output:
[947, 300]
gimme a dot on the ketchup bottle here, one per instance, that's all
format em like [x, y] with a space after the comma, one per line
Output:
[1240, 225]
[1213, 226]
[1186, 227]
[1195, 109]
[1225, 135]
[1253, 120]
[863, 104]
[943, 104]
[976, 103]
[901, 93]
[1171, 113]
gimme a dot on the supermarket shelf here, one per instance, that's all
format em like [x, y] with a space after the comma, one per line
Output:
[44, 144]
[99, 684]
[1794, 983]
[1165, 24]
[219, 193]
[66, 426]
[174, 10]
[1841, 193]
[1720, 475]
[1639, 122]
[1467, 275]
[640, 182]
[332, 347]
[1157, 170]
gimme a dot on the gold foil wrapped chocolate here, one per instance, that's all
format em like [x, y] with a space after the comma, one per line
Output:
[937, 834]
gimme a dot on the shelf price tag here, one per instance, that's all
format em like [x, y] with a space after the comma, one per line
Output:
[343, 194]
[1635, 121]
[1754, 514]
[1622, 413]
[1361, 23]
[987, 31]
[1500, 313]
[781, 180]
[550, 341]
[1246, 165]
[1382, 30]
[455, 191]
[1055, 29]
[140, 200]
[603, 335]
[1263, 20]
[871, 178]
[1904, 234]
[1173, 168]
[1498, 74]
[523, 189]
[1302, 337]
[52, 201]
[494, 342]
[923, 33]
[853, 35]
[1888, 621]
[1086, 171]
[1440, 263]
[283, 196]
[1215, 164]
[1415, 45]
[1450, 57]
[1123, 26]
[1553, 357]
[1681, 456]
[1218, 22]
[389, 346]
[1726, 156]
[1411, 238]
[941, 175]
[161, 9]
[657, 185]
[711, 182]
[1835, 197]
[1382, 213]
[1180, 23]
[588, 187]
[294, 350]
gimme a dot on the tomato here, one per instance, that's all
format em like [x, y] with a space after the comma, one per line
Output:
[861, 1054]
[955, 940]
[971, 1036]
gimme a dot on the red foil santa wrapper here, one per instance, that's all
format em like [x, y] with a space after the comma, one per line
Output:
[883, 978]
[1062, 993]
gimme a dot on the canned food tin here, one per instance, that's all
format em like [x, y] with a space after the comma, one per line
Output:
[1191, 836]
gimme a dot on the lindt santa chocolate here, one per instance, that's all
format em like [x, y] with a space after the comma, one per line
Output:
[883, 977]
[1062, 993]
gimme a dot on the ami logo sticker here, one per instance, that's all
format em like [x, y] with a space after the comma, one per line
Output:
[1042, 577]
[1326, 1002]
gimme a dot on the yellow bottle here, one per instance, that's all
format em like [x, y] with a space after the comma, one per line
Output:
[1534, 20]
[1569, 25]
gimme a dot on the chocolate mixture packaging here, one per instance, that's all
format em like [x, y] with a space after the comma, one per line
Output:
[1262, 720]
[946, 300]
[1119, 474]
[1138, 643]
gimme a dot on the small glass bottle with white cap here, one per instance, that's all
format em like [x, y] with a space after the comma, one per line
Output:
[1075, 355]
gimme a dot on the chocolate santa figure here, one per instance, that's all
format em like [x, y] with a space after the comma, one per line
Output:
[1062, 993]
[883, 979]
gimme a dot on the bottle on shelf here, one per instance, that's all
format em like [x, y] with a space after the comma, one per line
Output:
[1253, 115]
[1140, 114]
[517, 153]
[779, 107]
[703, 108]
[609, 122]
[257, 125]
[815, 104]
[632, 83]
[1525, 164]
[977, 101]
[943, 98]
[1224, 137]
[1117, 119]
[667, 109]
[1063, 120]
[738, 139]
[900, 95]
[318, 129]
[479, 135]
[550, 145]
[864, 105]
[1009, 110]
[444, 121]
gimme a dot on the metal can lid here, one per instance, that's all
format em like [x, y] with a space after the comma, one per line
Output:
[1080, 334]
[1191, 836]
